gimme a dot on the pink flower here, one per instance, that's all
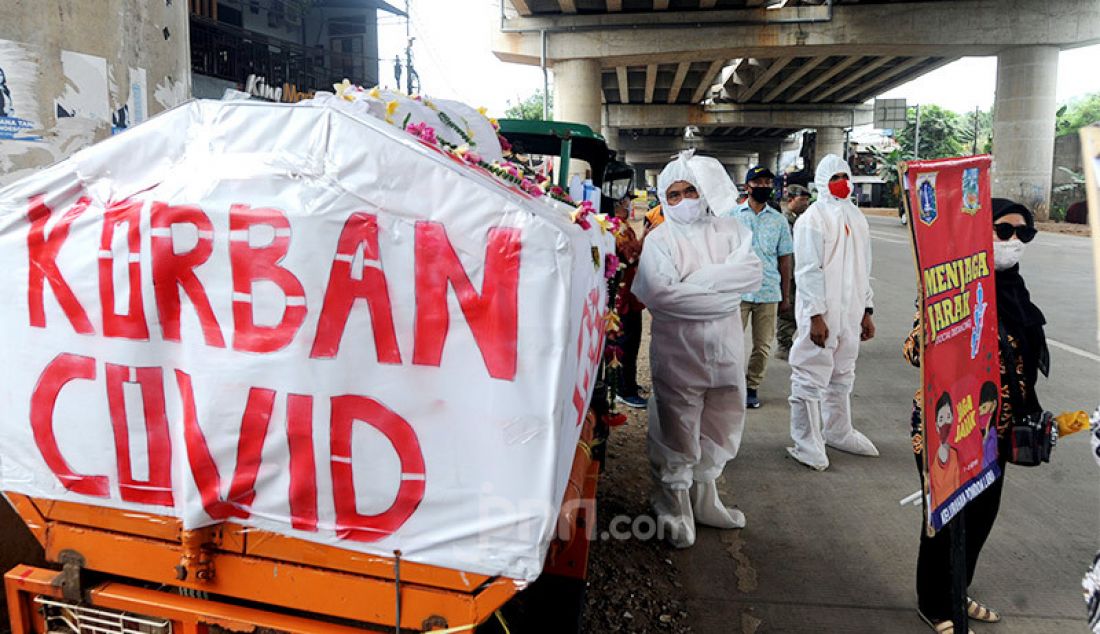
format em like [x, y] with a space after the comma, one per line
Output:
[580, 218]
[505, 146]
[611, 265]
[530, 187]
[424, 132]
[473, 158]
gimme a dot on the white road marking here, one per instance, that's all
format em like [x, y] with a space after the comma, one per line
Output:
[885, 237]
[1077, 351]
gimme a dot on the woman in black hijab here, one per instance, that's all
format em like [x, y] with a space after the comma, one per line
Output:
[1023, 345]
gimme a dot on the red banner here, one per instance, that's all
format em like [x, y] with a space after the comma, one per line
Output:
[950, 213]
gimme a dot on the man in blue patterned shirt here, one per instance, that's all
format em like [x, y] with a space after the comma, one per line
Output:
[772, 242]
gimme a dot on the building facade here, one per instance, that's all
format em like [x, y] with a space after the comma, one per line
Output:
[283, 50]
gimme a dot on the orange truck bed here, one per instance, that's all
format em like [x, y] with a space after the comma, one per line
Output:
[118, 565]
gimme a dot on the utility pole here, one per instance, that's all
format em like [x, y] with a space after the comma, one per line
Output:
[977, 113]
[916, 137]
[409, 72]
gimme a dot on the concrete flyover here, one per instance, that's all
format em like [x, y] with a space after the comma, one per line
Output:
[749, 68]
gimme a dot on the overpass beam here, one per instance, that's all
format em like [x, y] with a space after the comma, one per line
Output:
[1023, 125]
[738, 115]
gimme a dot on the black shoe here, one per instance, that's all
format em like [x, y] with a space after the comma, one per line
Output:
[752, 402]
[635, 401]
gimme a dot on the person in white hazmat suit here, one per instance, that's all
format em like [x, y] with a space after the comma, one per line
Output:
[832, 247]
[691, 274]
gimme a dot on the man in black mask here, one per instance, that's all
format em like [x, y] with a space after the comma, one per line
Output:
[771, 240]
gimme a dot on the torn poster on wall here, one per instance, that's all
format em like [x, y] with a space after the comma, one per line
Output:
[18, 120]
[85, 95]
[136, 109]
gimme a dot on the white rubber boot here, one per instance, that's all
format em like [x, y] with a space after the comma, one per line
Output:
[709, 509]
[809, 444]
[675, 521]
[838, 430]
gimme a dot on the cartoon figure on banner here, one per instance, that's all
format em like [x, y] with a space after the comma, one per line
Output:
[979, 318]
[944, 469]
[6, 109]
[970, 194]
[988, 401]
[926, 193]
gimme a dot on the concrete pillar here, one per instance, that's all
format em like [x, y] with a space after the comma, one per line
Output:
[829, 141]
[769, 159]
[577, 96]
[738, 167]
[1023, 125]
[577, 92]
[651, 177]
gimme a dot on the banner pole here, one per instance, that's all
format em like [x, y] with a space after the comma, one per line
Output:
[958, 572]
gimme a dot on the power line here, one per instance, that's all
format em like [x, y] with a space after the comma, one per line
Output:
[420, 30]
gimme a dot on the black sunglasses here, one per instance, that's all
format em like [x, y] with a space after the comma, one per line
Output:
[1005, 230]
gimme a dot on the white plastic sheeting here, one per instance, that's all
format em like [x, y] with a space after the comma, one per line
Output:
[303, 319]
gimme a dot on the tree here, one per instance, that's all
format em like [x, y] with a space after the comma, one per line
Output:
[888, 161]
[529, 108]
[1078, 113]
[941, 133]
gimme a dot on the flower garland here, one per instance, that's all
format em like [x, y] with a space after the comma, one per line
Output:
[447, 121]
[536, 185]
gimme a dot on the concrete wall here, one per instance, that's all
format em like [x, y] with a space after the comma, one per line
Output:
[108, 64]
[1067, 153]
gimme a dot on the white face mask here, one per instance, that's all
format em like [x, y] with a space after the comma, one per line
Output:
[687, 211]
[1007, 254]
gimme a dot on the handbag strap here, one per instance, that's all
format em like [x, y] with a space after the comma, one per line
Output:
[1008, 354]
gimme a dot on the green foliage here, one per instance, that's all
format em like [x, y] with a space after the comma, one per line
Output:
[1076, 180]
[942, 133]
[529, 108]
[888, 162]
[1078, 113]
[981, 123]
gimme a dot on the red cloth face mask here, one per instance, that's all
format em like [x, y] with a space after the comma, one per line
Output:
[840, 189]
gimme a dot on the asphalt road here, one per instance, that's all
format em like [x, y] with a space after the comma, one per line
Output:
[835, 552]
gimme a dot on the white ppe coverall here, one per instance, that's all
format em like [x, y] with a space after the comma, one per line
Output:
[832, 252]
[691, 275]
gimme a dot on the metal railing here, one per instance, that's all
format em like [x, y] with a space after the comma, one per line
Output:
[69, 618]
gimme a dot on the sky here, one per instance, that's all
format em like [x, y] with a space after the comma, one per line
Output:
[452, 54]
